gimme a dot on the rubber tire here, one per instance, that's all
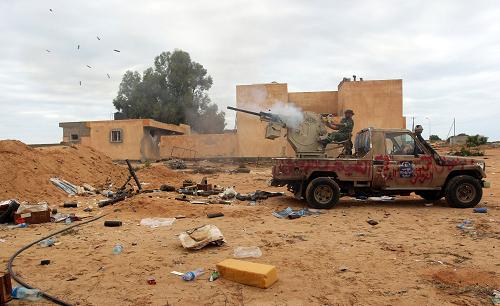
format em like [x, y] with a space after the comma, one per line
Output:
[452, 186]
[430, 195]
[321, 181]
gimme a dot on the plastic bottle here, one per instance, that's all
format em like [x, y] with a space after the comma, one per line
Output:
[117, 249]
[191, 275]
[22, 225]
[68, 220]
[23, 293]
[47, 242]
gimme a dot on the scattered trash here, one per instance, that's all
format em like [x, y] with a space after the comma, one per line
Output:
[151, 280]
[176, 164]
[112, 223]
[228, 193]
[242, 168]
[167, 188]
[70, 204]
[466, 225]
[197, 238]
[67, 186]
[428, 204]
[495, 299]
[180, 217]
[177, 273]
[480, 210]
[32, 213]
[68, 221]
[248, 273]
[215, 215]
[198, 202]
[58, 217]
[372, 222]
[88, 209]
[192, 275]
[182, 198]
[343, 269]
[244, 252]
[157, 222]
[117, 249]
[47, 242]
[21, 225]
[7, 211]
[382, 198]
[213, 276]
[206, 170]
[287, 212]
[22, 293]
[45, 262]
[258, 195]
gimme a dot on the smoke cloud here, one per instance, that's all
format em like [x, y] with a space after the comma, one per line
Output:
[291, 114]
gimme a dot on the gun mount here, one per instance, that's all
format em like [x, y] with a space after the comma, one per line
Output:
[303, 138]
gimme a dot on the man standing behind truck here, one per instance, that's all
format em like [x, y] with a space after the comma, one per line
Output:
[344, 129]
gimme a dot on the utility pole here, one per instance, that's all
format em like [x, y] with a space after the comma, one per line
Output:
[413, 123]
[453, 126]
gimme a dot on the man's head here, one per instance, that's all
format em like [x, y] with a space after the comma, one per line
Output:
[348, 113]
[419, 129]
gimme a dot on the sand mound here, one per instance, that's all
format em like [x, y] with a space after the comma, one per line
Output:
[25, 171]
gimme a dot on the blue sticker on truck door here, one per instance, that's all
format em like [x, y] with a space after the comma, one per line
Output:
[405, 169]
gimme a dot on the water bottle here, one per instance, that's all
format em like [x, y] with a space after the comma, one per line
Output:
[22, 225]
[191, 275]
[68, 220]
[47, 242]
[117, 249]
[23, 293]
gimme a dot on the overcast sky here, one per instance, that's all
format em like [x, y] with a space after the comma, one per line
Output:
[446, 52]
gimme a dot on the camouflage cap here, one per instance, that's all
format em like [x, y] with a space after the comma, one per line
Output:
[349, 111]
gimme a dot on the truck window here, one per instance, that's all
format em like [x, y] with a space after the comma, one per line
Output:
[362, 144]
[401, 144]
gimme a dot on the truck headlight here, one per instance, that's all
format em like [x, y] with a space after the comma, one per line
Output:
[481, 165]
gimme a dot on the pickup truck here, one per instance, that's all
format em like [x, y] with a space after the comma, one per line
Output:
[385, 162]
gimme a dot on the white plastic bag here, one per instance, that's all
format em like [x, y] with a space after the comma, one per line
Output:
[157, 222]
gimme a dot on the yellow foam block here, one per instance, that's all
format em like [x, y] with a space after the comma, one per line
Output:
[248, 273]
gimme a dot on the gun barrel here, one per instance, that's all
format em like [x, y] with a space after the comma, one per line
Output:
[244, 111]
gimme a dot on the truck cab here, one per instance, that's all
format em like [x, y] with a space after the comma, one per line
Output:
[385, 162]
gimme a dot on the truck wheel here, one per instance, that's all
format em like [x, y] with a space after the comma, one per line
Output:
[464, 191]
[322, 192]
[430, 195]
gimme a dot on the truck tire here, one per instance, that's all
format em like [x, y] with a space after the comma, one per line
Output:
[322, 193]
[464, 191]
[430, 195]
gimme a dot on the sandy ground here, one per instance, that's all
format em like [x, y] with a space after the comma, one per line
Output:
[415, 255]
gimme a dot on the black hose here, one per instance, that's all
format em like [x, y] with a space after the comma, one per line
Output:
[45, 295]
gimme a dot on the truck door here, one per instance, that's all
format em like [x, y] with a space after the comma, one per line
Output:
[407, 164]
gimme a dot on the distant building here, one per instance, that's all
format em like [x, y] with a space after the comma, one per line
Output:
[136, 139]
[458, 140]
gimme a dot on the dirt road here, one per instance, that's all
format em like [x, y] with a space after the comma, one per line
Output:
[416, 255]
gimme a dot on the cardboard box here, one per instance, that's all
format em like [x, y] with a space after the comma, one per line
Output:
[32, 214]
[5, 288]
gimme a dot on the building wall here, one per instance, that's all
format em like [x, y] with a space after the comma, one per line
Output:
[319, 101]
[376, 104]
[199, 145]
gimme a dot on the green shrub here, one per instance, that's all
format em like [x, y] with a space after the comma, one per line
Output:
[476, 140]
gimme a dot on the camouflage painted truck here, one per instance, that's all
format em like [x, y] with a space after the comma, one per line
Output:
[384, 162]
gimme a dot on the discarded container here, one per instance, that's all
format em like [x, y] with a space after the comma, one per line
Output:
[481, 210]
[5, 288]
[22, 225]
[45, 262]
[215, 215]
[192, 275]
[33, 213]
[112, 223]
[197, 238]
[372, 222]
[22, 293]
[151, 280]
[70, 204]
[157, 222]
[68, 221]
[47, 242]
[244, 252]
[117, 249]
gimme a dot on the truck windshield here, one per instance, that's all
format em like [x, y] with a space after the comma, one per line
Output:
[362, 143]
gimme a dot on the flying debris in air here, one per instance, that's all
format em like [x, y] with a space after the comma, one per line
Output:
[89, 66]
[78, 48]
[48, 51]
[80, 83]
[98, 38]
[116, 50]
[108, 76]
[51, 10]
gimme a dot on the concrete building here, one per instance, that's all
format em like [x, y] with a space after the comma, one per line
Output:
[377, 103]
[136, 139]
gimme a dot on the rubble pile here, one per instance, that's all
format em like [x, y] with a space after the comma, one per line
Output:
[25, 172]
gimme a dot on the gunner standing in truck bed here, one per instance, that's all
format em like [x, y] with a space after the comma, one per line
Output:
[344, 129]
